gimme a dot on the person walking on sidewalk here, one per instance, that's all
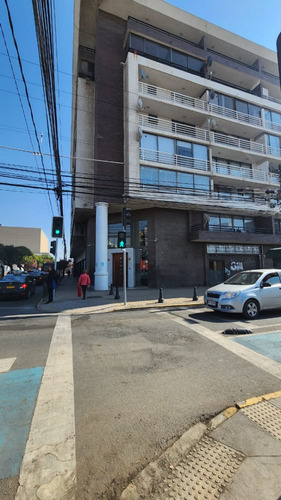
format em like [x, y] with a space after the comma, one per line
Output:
[84, 282]
[51, 283]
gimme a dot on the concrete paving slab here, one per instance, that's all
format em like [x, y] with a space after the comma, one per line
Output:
[258, 478]
[246, 436]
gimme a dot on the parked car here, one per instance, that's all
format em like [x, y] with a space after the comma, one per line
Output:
[16, 285]
[247, 292]
[38, 276]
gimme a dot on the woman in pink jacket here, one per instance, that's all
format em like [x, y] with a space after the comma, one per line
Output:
[84, 282]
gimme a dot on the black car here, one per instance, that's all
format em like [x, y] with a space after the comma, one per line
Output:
[37, 276]
[16, 285]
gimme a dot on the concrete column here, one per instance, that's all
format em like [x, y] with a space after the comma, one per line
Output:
[101, 274]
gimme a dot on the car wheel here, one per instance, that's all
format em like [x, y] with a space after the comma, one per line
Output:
[251, 309]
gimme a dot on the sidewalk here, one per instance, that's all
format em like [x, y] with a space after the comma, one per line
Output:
[236, 456]
[66, 300]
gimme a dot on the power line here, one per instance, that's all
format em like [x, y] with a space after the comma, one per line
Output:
[25, 86]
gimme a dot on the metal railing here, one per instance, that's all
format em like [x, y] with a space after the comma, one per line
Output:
[245, 173]
[225, 229]
[236, 115]
[151, 155]
[171, 97]
[173, 128]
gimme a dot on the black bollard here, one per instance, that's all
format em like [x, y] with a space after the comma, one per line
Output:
[195, 294]
[111, 290]
[160, 300]
[117, 296]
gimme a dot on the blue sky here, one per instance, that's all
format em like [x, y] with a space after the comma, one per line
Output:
[255, 20]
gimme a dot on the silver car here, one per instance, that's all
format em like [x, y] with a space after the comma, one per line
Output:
[247, 292]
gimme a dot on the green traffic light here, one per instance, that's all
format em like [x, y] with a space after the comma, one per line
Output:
[57, 231]
[121, 244]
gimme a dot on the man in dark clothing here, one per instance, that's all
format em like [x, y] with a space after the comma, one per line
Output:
[51, 280]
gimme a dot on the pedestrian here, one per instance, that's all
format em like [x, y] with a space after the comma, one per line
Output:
[68, 272]
[51, 282]
[84, 282]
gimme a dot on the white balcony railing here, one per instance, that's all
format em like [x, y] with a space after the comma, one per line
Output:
[179, 129]
[171, 97]
[245, 173]
[173, 128]
[236, 115]
[153, 156]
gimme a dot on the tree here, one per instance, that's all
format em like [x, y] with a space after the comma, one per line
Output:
[62, 265]
[12, 255]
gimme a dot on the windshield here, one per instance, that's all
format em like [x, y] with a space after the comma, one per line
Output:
[244, 278]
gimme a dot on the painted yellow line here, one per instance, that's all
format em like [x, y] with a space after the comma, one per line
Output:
[258, 399]
[229, 412]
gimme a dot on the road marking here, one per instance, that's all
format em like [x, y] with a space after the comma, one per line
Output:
[255, 358]
[48, 467]
[18, 394]
[6, 364]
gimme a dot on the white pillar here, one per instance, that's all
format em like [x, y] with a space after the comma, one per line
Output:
[101, 274]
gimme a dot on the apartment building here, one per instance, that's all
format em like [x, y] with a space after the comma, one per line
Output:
[179, 121]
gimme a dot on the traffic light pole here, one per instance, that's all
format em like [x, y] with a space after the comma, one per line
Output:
[124, 275]
[56, 255]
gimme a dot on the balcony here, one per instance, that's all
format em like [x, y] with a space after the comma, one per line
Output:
[256, 149]
[218, 234]
[195, 104]
[236, 172]
[151, 156]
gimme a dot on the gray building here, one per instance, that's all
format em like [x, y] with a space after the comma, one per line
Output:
[179, 121]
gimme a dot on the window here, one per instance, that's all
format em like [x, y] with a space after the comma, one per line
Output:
[86, 62]
[229, 249]
[223, 166]
[163, 149]
[194, 64]
[273, 141]
[165, 54]
[179, 59]
[233, 223]
[236, 104]
[272, 279]
[171, 181]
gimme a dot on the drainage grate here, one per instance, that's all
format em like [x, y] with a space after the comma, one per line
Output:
[203, 474]
[267, 416]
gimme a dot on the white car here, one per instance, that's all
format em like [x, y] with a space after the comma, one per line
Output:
[247, 292]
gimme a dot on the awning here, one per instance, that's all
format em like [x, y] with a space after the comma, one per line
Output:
[274, 253]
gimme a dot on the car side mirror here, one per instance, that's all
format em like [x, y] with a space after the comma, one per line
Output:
[265, 285]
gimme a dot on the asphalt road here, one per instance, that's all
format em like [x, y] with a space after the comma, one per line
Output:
[140, 380]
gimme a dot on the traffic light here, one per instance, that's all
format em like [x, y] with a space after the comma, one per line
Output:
[57, 227]
[126, 216]
[121, 239]
[53, 247]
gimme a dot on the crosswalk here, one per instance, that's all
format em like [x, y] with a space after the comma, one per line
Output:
[37, 425]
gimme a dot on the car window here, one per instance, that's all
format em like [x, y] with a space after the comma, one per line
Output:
[244, 278]
[272, 279]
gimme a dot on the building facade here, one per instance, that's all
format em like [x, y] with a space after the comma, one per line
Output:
[29, 237]
[179, 121]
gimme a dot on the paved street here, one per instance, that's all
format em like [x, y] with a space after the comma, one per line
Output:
[106, 394]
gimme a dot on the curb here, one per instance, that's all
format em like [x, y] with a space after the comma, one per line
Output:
[142, 485]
